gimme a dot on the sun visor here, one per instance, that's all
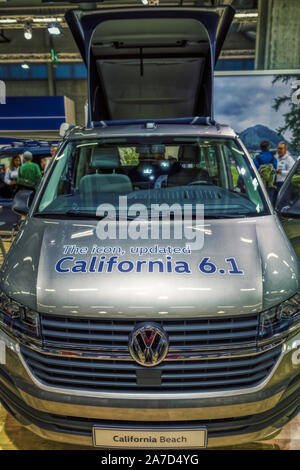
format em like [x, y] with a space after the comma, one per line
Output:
[150, 63]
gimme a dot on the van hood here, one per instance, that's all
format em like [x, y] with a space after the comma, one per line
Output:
[252, 268]
[146, 62]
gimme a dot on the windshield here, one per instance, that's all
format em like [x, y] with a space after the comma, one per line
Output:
[210, 171]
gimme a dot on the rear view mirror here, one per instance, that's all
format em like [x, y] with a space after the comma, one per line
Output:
[22, 202]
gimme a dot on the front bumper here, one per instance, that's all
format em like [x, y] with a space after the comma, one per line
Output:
[244, 416]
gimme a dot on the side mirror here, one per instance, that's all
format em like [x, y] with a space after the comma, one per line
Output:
[22, 202]
[291, 211]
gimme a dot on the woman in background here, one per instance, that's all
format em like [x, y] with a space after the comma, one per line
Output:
[11, 173]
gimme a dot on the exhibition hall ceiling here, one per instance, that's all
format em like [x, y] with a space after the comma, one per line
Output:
[36, 15]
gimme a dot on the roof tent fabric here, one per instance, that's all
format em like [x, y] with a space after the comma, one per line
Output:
[145, 62]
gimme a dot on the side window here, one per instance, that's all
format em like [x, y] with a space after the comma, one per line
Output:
[208, 161]
[82, 165]
[295, 186]
[289, 196]
[60, 181]
[202, 161]
[226, 170]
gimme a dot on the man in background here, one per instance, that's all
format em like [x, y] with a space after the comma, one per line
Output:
[284, 164]
[29, 175]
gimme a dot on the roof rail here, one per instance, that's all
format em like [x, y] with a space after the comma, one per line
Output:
[31, 143]
[196, 120]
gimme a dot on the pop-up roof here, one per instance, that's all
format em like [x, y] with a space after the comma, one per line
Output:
[150, 63]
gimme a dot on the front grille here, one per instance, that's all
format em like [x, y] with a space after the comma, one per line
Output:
[112, 335]
[79, 373]
[101, 362]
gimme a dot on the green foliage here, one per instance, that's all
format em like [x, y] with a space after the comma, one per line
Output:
[292, 117]
[129, 156]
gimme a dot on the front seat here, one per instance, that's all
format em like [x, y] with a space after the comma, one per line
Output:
[105, 161]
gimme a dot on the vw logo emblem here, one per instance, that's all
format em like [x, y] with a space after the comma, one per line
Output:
[148, 344]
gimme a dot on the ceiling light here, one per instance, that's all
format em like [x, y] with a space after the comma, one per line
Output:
[27, 31]
[28, 35]
[47, 20]
[8, 21]
[54, 30]
[246, 15]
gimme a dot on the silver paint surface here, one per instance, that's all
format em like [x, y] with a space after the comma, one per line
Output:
[259, 245]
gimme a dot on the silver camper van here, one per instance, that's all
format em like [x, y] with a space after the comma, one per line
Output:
[151, 297]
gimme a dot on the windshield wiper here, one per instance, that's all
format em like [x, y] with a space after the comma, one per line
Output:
[200, 183]
[69, 213]
[120, 217]
[226, 216]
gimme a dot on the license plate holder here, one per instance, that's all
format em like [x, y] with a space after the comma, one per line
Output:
[149, 439]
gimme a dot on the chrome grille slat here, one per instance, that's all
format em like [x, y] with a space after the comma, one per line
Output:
[193, 333]
[100, 384]
[90, 336]
[173, 338]
[166, 376]
[218, 374]
[196, 326]
[193, 365]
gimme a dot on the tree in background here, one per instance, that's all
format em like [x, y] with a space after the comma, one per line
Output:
[292, 117]
[129, 156]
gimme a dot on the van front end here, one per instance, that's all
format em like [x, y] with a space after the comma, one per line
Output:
[155, 359]
[234, 391]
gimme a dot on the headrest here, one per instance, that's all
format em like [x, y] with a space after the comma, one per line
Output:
[105, 158]
[188, 154]
[144, 149]
[159, 148]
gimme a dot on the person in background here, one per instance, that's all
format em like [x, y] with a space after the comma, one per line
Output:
[53, 150]
[11, 173]
[284, 164]
[266, 164]
[158, 153]
[47, 160]
[43, 164]
[265, 156]
[29, 173]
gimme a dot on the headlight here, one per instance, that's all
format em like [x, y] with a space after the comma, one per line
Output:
[280, 319]
[18, 319]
